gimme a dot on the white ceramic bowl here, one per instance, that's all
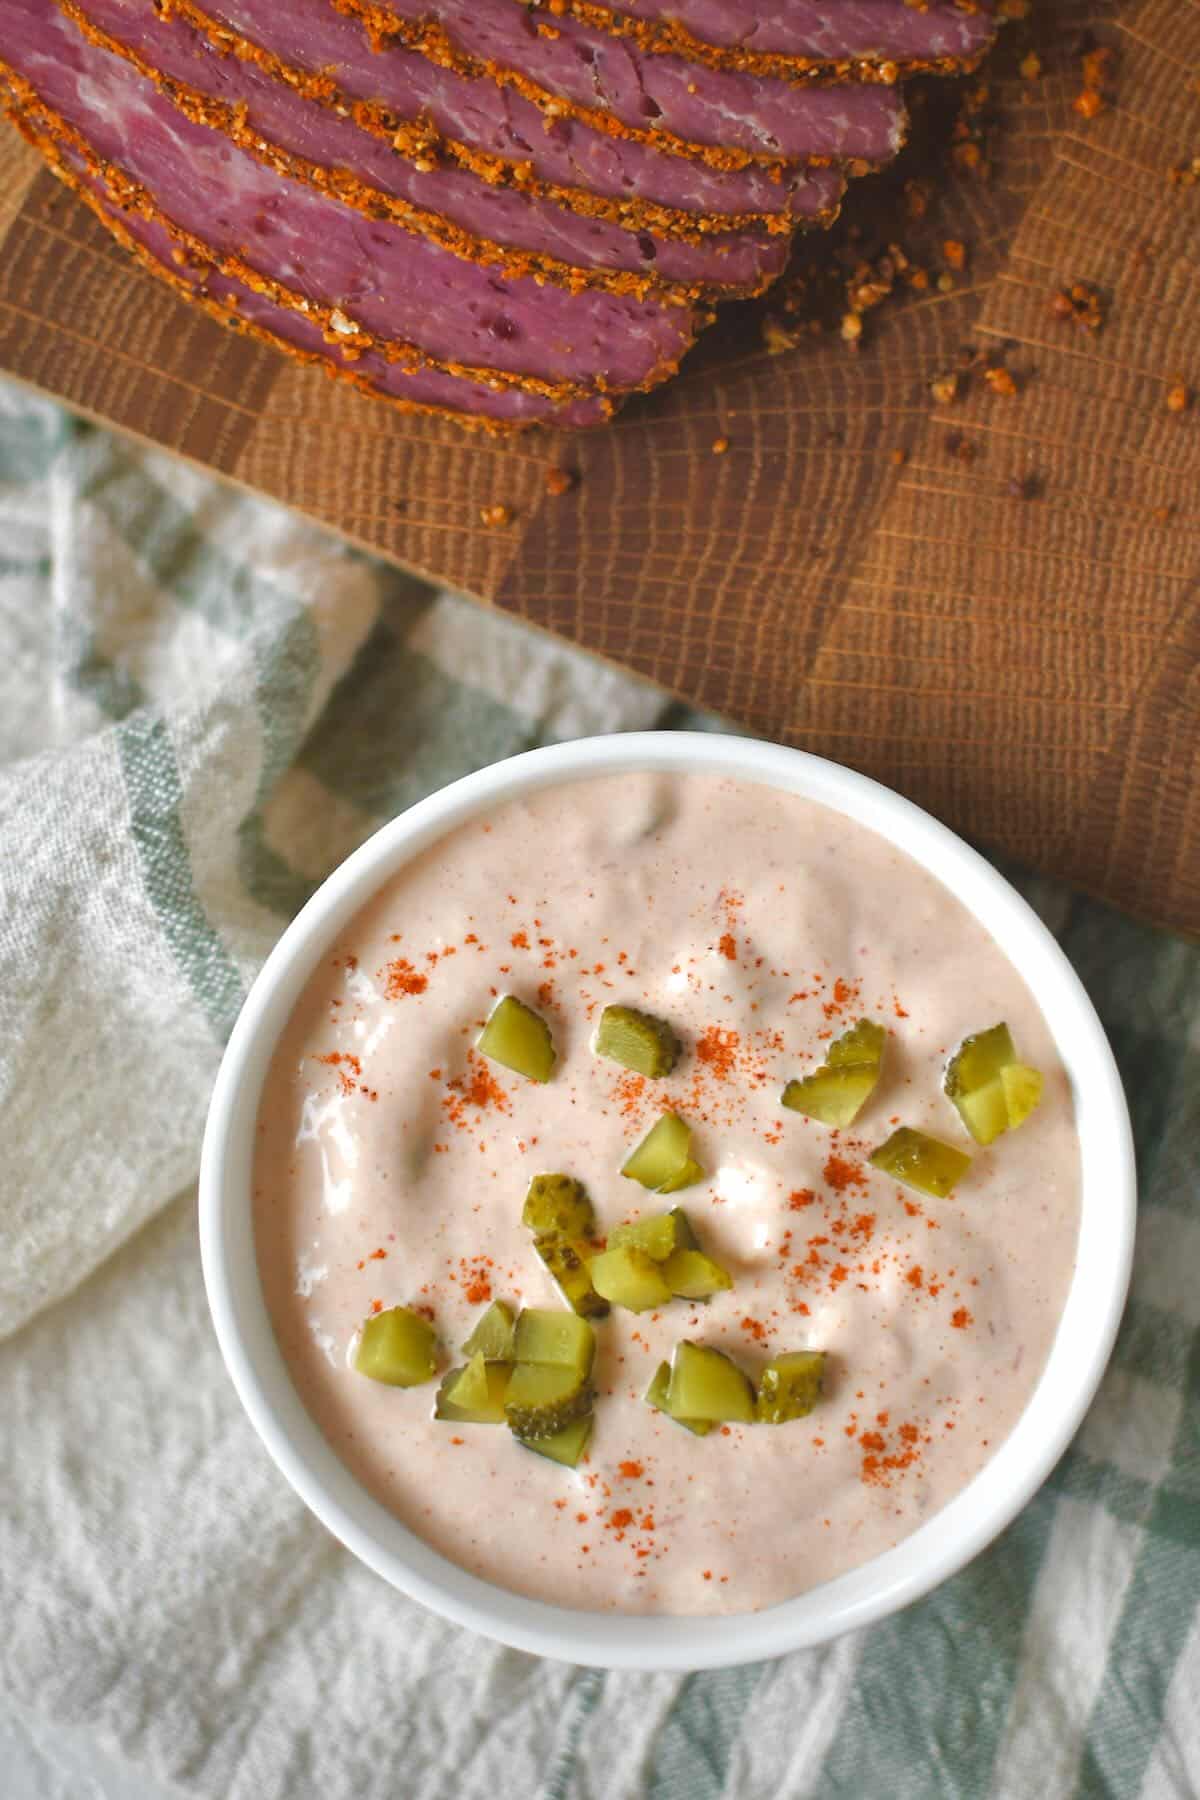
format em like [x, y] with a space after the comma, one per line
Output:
[1072, 1374]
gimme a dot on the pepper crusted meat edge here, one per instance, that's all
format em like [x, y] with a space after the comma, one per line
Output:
[667, 37]
[427, 36]
[338, 327]
[578, 414]
[419, 141]
[341, 184]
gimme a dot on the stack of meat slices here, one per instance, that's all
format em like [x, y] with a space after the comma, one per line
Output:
[512, 213]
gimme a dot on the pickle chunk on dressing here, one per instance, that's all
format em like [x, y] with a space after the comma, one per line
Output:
[558, 1204]
[565, 1446]
[921, 1161]
[474, 1394]
[836, 1093]
[657, 1395]
[663, 1160]
[568, 1262]
[548, 1335]
[691, 1275]
[398, 1347]
[518, 1038]
[789, 1387]
[630, 1278]
[637, 1041]
[658, 1234]
[542, 1398]
[991, 1089]
[492, 1337]
[706, 1384]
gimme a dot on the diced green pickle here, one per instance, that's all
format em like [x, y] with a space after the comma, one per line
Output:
[560, 1339]
[694, 1276]
[991, 1090]
[978, 1060]
[656, 1396]
[493, 1334]
[657, 1235]
[663, 1156]
[519, 1038]
[687, 1177]
[568, 1262]
[707, 1384]
[629, 1278]
[921, 1161]
[789, 1387]
[397, 1346]
[1022, 1090]
[836, 1092]
[863, 1042]
[543, 1397]
[558, 1204]
[565, 1446]
[637, 1040]
[474, 1395]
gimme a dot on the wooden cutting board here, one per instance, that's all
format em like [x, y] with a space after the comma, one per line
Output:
[990, 603]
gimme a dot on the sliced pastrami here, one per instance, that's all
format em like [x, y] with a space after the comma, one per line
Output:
[367, 281]
[519, 233]
[435, 112]
[720, 115]
[795, 37]
[243, 309]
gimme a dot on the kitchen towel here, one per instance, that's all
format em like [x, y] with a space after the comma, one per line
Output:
[204, 704]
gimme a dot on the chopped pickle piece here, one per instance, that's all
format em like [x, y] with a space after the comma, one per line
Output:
[656, 1396]
[978, 1060]
[863, 1042]
[836, 1093]
[474, 1394]
[707, 1384]
[663, 1156]
[568, 1262]
[519, 1038]
[688, 1176]
[559, 1339]
[921, 1161]
[637, 1040]
[558, 1205]
[984, 1112]
[397, 1346]
[694, 1276]
[493, 1334]
[630, 1278]
[658, 1234]
[543, 1397]
[991, 1090]
[789, 1387]
[1022, 1092]
[565, 1446]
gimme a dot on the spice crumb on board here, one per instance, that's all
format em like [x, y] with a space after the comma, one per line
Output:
[496, 515]
[720, 446]
[1081, 302]
[559, 481]
[1179, 397]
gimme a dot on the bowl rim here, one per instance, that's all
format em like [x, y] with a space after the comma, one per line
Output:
[958, 1531]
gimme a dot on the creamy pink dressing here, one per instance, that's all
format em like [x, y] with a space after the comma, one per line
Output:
[392, 1164]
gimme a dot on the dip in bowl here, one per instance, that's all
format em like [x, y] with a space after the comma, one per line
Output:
[904, 1324]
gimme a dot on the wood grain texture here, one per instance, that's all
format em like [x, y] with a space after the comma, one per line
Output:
[993, 605]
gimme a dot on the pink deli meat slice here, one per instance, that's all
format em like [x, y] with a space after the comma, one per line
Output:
[369, 281]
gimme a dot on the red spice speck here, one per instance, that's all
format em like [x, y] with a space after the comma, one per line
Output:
[377, 1306]
[727, 945]
[717, 1050]
[755, 1329]
[519, 940]
[400, 978]
[961, 1318]
[916, 1276]
[631, 1470]
[800, 1198]
[838, 1274]
[621, 1519]
[377, 1255]
[841, 1174]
